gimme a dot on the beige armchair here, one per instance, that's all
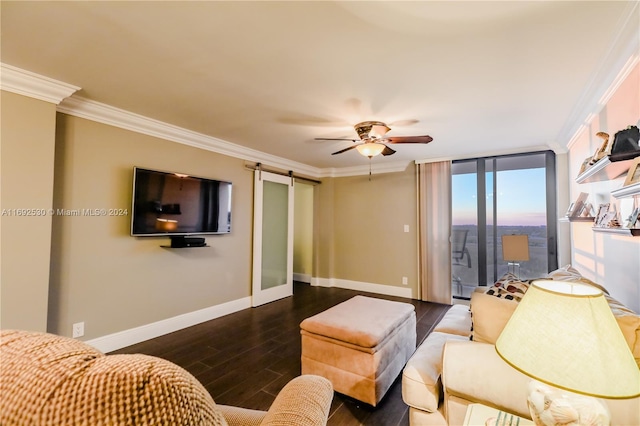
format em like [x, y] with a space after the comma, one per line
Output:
[52, 380]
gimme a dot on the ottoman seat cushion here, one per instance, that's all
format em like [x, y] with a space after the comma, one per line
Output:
[362, 321]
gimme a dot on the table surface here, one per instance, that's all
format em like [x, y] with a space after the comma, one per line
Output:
[478, 415]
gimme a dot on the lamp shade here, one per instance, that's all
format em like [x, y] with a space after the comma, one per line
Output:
[370, 149]
[564, 334]
[515, 248]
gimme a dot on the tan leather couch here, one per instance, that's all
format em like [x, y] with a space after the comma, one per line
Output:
[448, 371]
[52, 380]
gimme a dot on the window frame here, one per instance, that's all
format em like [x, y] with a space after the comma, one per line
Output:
[551, 209]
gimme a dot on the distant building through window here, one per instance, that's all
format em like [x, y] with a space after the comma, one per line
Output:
[493, 196]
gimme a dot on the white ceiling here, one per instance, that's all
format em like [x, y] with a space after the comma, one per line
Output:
[479, 77]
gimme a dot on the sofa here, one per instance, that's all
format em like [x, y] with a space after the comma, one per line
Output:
[457, 365]
[52, 380]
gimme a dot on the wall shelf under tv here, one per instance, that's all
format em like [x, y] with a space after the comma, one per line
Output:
[176, 248]
[182, 241]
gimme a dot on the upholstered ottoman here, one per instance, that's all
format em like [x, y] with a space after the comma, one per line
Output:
[360, 345]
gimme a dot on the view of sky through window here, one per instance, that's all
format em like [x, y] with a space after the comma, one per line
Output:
[521, 198]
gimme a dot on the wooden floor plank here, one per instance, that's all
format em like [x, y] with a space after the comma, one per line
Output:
[244, 359]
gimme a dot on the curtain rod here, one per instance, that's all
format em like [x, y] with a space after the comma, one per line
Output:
[277, 172]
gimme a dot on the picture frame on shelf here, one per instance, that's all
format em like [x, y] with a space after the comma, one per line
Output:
[632, 221]
[587, 211]
[577, 208]
[611, 220]
[603, 150]
[633, 175]
[570, 210]
[603, 211]
[585, 165]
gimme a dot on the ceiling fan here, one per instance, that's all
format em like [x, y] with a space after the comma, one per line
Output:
[372, 139]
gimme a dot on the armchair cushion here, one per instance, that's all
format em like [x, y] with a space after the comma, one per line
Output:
[54, 380]
[304, 401]
[237, 416]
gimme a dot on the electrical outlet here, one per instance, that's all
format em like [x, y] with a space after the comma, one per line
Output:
[78, 329]
[405, 280]
[406, 228]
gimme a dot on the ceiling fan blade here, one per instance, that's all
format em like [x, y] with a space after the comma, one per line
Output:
[409, 139]
[336, 139]
[388, 151]
[344, 150]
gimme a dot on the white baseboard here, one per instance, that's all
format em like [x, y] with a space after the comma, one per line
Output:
[122, 339]
[135, 335]
[362, 286]
[303, 278]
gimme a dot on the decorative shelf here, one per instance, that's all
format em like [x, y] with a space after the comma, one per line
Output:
[635, 232]
[605, 169]
[577, 219]
[627, 191]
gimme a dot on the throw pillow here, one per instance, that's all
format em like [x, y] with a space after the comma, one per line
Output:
[629, 323]
[509, 287]
[489, 316]
[569, 273]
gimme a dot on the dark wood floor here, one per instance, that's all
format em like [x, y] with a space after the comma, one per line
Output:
[245, 358]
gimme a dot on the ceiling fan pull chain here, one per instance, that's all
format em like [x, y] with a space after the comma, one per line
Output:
[369, 169]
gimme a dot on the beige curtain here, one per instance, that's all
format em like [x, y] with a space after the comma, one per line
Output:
[434, 222]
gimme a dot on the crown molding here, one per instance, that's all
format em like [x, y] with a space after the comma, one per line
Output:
[106, 114]
[623, 54]
[376, 169]
[27, 83]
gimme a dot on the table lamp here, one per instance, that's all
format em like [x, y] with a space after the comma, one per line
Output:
[564, 334]
[515, 248]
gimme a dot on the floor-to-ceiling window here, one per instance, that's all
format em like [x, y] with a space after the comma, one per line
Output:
[496, 196]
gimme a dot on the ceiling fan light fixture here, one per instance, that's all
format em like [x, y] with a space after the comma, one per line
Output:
[378, 131]
[370, 149]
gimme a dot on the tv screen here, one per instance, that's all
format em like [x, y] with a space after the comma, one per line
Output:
[178, 204]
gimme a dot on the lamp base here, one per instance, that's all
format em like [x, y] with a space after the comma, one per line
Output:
[552, 407]
[514, 268]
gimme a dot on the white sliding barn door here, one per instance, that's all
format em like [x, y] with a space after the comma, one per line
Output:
[272, 238]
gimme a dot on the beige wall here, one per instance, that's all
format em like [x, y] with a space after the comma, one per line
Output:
[27, 151]
[112, 281]
[612, 260]
[303, 230]
[323, 228]
[362, 229]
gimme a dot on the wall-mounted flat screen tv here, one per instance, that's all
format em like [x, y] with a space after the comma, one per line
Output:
[179, 204]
